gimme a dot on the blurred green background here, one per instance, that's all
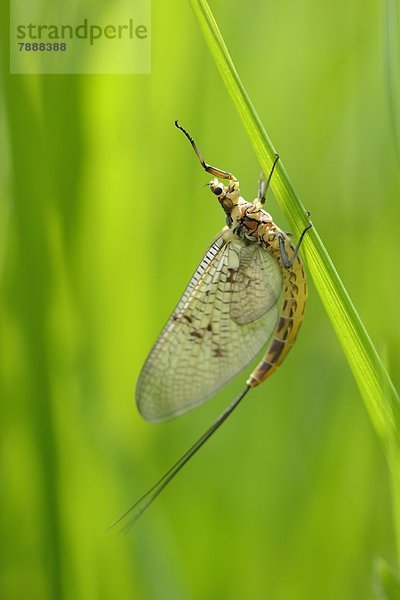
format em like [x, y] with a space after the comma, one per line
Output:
[103, 219]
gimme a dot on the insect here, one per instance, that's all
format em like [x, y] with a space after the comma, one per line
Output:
[225, 316]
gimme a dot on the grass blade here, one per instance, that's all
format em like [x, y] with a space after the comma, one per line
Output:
[380, 396]
[392, 64]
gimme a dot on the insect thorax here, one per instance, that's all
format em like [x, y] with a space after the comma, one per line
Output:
[249, 221]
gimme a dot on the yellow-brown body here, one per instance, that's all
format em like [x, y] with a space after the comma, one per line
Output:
[251, 222]
[225, 316]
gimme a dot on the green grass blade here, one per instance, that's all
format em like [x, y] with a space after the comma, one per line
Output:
[380, 396]
[392, 64]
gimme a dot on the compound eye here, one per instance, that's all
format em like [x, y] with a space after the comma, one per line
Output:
[217, 191]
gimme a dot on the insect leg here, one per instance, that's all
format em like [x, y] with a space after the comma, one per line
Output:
[264, 185]
[288, 262]
[209, 168]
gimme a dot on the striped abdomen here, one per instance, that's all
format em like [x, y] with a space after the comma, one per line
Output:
[291, 316]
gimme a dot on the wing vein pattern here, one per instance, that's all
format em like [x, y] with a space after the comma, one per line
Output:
[225, 316]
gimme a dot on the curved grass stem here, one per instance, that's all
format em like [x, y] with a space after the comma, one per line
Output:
[379, 394]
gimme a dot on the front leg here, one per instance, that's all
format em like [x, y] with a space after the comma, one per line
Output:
[263, 184]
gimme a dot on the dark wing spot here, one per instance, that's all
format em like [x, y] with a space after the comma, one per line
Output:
[218, 352]
[196, 334]
[232, 273]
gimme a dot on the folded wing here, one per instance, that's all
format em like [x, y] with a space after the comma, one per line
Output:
[224, 318]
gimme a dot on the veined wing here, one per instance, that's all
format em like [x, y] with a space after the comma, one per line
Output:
[209, 339]
[256, 286]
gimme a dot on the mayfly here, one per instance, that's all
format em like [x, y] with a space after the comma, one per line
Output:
[225, 316]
